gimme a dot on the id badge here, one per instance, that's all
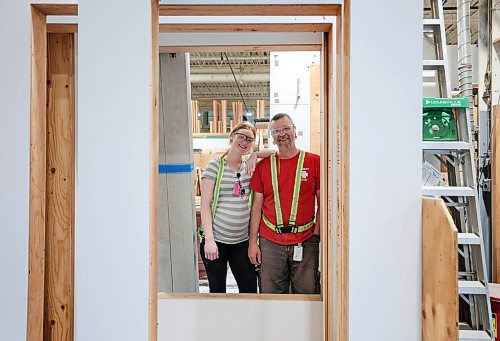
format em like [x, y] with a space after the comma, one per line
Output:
[297, 252]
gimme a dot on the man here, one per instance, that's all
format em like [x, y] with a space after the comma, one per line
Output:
[284, 234]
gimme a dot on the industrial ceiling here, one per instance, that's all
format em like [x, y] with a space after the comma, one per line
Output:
[248, 81]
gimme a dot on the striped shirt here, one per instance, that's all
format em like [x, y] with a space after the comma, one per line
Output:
[232, 216]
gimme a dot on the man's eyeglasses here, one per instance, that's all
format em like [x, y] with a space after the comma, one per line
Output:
[238, 188]
[286, 129]
[243, 138]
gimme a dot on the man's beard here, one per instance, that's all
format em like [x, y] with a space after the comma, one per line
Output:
[285, 143]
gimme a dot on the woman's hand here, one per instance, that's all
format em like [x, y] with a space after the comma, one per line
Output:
[211, 251]
[251, 163]
[254, 253]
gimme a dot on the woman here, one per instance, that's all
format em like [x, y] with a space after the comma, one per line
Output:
[225, 214]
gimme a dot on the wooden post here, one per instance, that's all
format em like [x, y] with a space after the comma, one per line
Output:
[439, 272]
[59, 239]
[315, 106]
[37, 206]
[495, 192]
[261, 108]
[223, 104]
[215, 106]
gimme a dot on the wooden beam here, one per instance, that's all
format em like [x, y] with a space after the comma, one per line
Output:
[57, 9]
[240, 48]
[246, 10]
[240, 297]
[326, 150]
[278, 27]
[223, 104]
[62, 28]
[315, 108]
[59, 238]
[36, 265]
[153, 174]
[439, 272]
[342, 78]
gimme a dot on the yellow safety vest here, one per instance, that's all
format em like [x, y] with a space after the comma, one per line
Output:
[280, 227]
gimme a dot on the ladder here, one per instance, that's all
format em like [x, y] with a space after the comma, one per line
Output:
[460, 196]
[434, 31]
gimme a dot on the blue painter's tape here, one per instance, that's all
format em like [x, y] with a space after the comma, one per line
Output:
[176, 168]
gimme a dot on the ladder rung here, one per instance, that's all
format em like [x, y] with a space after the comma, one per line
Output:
[468, 239]
[432, 22]
[433, 64]
[447, 191]
[445, 145]
[471, 288]
[473, 335]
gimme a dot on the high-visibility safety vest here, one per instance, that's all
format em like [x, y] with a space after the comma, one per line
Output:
[280, 227]
[215, 199]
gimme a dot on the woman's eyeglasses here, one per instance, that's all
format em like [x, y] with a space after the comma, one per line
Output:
[243, 138]
[286, 129]
[238, 188]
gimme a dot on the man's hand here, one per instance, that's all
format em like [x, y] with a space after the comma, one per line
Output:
[211, 250]
[254, 253]
[251, 163]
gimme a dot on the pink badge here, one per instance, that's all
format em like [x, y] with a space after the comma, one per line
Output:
[236, 189]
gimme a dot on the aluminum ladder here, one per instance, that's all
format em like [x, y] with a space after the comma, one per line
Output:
[460, 195]
[435, 32]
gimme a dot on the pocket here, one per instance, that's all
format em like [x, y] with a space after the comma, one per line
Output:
[315, 238]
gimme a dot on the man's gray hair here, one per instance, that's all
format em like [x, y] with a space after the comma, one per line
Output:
[279, 117]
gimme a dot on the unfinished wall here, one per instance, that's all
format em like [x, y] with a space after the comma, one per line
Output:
[385, 171]
[112, 184]
[113, 156]
[14, 170]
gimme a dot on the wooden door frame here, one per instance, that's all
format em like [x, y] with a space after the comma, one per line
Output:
[334, 162]
[332, 277]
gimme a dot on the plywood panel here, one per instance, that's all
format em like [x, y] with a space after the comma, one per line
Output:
[37, 175]
[58, 315]
[439, 272]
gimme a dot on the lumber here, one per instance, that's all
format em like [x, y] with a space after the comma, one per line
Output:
[439, 272]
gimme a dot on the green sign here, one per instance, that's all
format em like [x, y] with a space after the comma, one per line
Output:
[460, 102]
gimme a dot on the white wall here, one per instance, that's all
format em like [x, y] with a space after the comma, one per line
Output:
[14, 166]
[112, 184]
[385, 171]
[242, 320]
[288, 96]
[112, 204]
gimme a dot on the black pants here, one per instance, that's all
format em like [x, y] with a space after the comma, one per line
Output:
[243, 270]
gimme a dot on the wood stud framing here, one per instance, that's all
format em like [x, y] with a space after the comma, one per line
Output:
[52, 183]
[36, 266]
[60, 182]
[341, 33]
